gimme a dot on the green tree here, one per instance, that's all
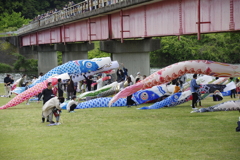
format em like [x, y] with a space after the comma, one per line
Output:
[221, 47]
[5, 68]
[59, 57]
[23, 64]
[14, 20]
[96, 53]
[32, 8]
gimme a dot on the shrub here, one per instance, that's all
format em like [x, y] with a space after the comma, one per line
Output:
[5, 68]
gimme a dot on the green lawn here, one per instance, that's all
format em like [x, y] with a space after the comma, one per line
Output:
[119, 133]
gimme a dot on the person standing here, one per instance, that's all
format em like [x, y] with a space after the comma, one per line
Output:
[233, 91]
[138, 76]
[47, 94]
[89, 82]
[75, 88]
[82, 85]
[11, 87]
[182, 80]
[120, 75]
[99, 81]
[238, 88]
[22, 81]
[130, 102]
[26, 88]
[7, 85]
[70, 88]
[60, 90]
[125, 71]
[193, 87]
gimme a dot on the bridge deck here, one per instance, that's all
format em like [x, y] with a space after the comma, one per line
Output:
[139, 19]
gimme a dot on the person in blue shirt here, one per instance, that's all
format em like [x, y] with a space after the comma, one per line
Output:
[194, 87]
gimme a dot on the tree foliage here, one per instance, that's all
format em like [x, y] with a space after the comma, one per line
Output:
[5, 68]
[59, 57]
[96, 52]
[12, 21]
[32, 8]
[222, 47]
[23, 64]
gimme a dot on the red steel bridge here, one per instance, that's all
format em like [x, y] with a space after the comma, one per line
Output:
[133, 19]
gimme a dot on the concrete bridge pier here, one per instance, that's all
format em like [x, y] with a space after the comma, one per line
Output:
[28, 51]
[75, 51]
[134, 54]
[47, 58]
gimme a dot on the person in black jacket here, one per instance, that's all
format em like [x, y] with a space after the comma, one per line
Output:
[89, 81]
[60, 90]
[120, 75]
[47, 94]
[70, 88]
[7, 84]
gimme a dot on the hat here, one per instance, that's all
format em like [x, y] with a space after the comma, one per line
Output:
[138, 72]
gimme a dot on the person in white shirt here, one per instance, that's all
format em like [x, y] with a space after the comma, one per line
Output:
[40, 75]
[51, 107]
[34, 79]
[139, 76]
[99, 82]
[72, 104]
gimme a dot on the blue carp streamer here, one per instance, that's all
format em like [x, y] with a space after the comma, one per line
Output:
[71, 67]
[101, 102]
[181, 97]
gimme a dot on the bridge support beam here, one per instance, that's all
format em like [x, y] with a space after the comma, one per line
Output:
[75, 51]
[134, 54]
[47, 58]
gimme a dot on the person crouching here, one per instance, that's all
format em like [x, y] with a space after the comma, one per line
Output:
[51, 107]
[72, 104]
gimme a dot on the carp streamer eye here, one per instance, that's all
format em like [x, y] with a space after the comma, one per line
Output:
[88, 64]
[144, 96]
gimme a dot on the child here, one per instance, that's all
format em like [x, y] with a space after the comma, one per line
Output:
[177, 88]
[72, 104]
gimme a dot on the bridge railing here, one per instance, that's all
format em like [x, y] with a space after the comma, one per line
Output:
[86, 6]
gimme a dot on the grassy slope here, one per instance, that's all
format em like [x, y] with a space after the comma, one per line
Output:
[119, 133]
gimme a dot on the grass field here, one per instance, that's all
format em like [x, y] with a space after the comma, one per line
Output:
[119, 133]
